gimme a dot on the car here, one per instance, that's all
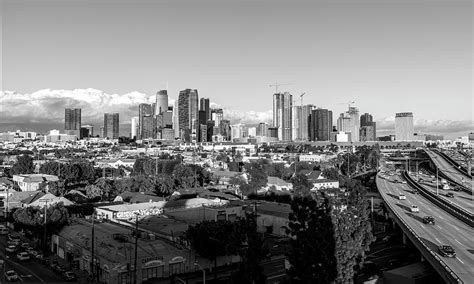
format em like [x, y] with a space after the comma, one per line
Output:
[25, 245]
[402, 196]
[456, 188]
[32, 253]
[450, 195]
[414, 209]
[11, 275]
[59, 269]
[404, 181]
[414, 191]
[23, 256]
[39, 256]
[3, 231]
[52, 263]
[11, 248]
[429, 220]
[14, 242]
[447, 251]
[69, 276]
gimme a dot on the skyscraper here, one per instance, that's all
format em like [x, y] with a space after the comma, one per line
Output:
[188, 114]
[72, 121]
[204, 105]
[262, 129]
[321, 124]
[404, 126]
[134, 127]
[354, 123]
[282, 115]
[111, 125]
[161, 102]
[146, 121]
[343, 122]
[304, 121]
[295, 123]
[217, 115]
[368, 130]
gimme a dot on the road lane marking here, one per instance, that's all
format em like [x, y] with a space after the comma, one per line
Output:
[438, 226]
[460, 260]
[437, 240]
[459, 242]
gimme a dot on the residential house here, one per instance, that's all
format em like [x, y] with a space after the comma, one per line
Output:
[31, 182]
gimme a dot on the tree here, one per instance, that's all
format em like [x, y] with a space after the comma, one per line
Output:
[353, 232]
[312, 244]
[56, 188]
[331, 173]
[251, 270]
[23, 165]
[94, 192]
[184, 176]
[106, 188]
[164, 185]
[301, 185]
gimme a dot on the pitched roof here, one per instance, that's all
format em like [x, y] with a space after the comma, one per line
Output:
[34, 197]
[137, 197]
[277, 181]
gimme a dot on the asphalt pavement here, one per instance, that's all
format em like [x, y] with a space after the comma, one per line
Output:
[447, 230]
[28, 271]
[449, 169]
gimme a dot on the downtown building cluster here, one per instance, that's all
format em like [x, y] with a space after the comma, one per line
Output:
[189, 119]
[310, 123]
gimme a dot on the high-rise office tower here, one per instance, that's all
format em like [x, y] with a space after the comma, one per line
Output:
[111, 125]
[366, 119]
[304, 121]
[354, 123]
[368, 129]
[146, 121]
[217, 115]
[204, 105]
[237, 131]
[188, 114]
[224, 129]
[321, 124]
[161, 102]
[282, 115]
[134, 127]
[87, 130]
[262, 129]
[72, 121]
[295, 123]
[344, 122]
[404, 126]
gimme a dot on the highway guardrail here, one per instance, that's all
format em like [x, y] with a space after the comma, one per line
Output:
[454, 276]
[447, 206]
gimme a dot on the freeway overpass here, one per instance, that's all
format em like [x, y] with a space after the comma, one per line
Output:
[449, 170]
[448, 230]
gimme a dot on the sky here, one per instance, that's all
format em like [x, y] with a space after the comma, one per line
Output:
[109, 55]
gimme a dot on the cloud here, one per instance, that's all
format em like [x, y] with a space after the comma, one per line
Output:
[449, 128]
[47, 106]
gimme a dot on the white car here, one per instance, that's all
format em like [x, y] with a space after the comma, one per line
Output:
[11, 275]
[23, 256]
[10, 248]
[402, 197]
[414, 209]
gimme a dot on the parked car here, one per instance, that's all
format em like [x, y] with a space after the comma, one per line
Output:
[23, 256]
[11, 248]
[40, 257]
[69, 276]
[429, 220]
[447, 251]
[14, 242]
[32, 253]
[11, 275]
[414, 209]
[3, 231]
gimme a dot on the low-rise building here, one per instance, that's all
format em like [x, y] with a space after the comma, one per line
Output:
[31, 182]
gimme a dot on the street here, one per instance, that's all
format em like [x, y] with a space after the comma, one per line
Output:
[28, 271]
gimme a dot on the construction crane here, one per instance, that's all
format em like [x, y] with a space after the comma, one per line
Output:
[276, 85]
[348, 104]
[301, 96]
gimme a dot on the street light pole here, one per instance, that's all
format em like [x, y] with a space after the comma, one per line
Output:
[203, 272]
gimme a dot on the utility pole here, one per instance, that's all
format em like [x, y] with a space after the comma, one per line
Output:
[136, 251]
[93, 247]
[45, 201]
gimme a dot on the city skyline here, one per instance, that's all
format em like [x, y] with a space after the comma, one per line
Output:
[335, 53]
